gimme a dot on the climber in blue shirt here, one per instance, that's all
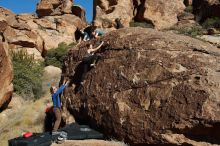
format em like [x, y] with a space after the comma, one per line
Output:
[56, 103]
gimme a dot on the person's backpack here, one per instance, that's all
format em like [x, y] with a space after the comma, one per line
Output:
[49, 119]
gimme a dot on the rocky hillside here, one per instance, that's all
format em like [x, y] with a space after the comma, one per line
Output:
[162, 14]
[148, 86]
[54, 23]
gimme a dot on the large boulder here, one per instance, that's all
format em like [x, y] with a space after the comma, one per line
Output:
[25, 17]
[206, 9]
[66, 7]
[54, 7]
[25, 39]
[6, 16]
[5, 12]
[49, 31]
[58, 29]
[46, 23]
[6, 86]
[147, 86]
[37, 35]
[106, 11]
[80, 12]
[162, 14]
[59, 22]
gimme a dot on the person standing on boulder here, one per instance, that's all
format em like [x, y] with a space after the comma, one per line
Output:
[57, 104]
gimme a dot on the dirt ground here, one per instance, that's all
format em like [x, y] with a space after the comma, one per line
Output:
[92, 142]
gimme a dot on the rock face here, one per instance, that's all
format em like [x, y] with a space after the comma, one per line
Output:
[162, 14]
[6, 16]
[3, 24]
[147, 84]
[206, 8]
[213, 39]
[6, 86]
[57, 29]
[37, 35]
[80, 12]
[106, 11]
[54, 7]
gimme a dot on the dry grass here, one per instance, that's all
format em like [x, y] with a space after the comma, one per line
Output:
[15, 121]
[28, 115]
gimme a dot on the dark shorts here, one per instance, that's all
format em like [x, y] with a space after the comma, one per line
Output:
[89, 59]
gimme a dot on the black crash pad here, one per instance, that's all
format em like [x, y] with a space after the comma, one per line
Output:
[74, 131]
[37, 139]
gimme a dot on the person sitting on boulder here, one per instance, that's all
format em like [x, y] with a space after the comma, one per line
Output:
[97, 32]
[88, 61]
[85, 35]
[57, 104]
[118, 23]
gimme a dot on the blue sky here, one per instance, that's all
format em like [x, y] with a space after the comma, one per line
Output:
[29, 6]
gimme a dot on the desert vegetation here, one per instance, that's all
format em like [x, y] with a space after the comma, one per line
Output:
[27, 75]
[143, 24]
[211, 23]
[56, 56]
[28, 72]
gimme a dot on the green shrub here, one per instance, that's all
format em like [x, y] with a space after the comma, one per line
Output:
[141, 24]
[190, 31]
[189, 9]
[27, 75]
[211, 23]
[56, 56]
